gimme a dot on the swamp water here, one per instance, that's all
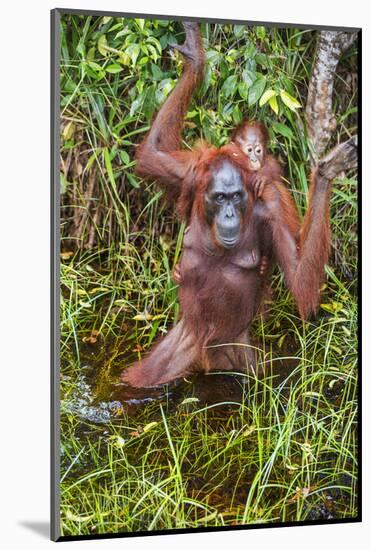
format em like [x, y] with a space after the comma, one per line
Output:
[228, 413]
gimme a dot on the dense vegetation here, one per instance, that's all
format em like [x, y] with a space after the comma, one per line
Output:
[287, 450]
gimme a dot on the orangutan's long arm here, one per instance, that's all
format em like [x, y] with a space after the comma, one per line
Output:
[303, 250]
[160, 156]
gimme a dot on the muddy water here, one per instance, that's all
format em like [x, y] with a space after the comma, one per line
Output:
[99, 395]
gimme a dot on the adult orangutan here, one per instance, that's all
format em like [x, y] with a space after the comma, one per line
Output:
[229, 229]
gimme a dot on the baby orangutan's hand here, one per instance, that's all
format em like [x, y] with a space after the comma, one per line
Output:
[259, 185]
[177, 277]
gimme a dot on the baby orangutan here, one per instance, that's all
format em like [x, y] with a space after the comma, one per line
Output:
[252, 138]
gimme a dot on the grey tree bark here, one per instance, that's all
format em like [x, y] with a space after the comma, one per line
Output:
[320, 119]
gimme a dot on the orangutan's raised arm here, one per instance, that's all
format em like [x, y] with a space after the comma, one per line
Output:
[303, 250]
[159, 156]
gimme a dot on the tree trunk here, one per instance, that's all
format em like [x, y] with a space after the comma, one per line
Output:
[321, 122]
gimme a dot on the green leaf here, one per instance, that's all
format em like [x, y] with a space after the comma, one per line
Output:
[213, 57]
[290, 101]
[262, 60]
[156, 72]
[260, 31]
[268, 94]
[143, 60]
[239, 30]
[133, 51]
[332, 307]
[139, 86]
[68, 130]
[248, 77]
[243, 90]
[256, 90]
[229, 85]
[149, 426]
[69, 144]
[227, 111]
[80, 48]
[236, 115]
[136, 105]
[152, 50]
[282, 129]
[92, 159]
[95, 66]
[250, 51]
[124, 157]
[94, 70]
[132, 180]
[103, 45]
[273, 104]
[123, 32]
[163, 90]
[346, 331]
[166, 39]
[108, 164]
[149, 102]
[114, 68]
[156, 42]
[91, 54]
[124, 58]
[63, 183]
